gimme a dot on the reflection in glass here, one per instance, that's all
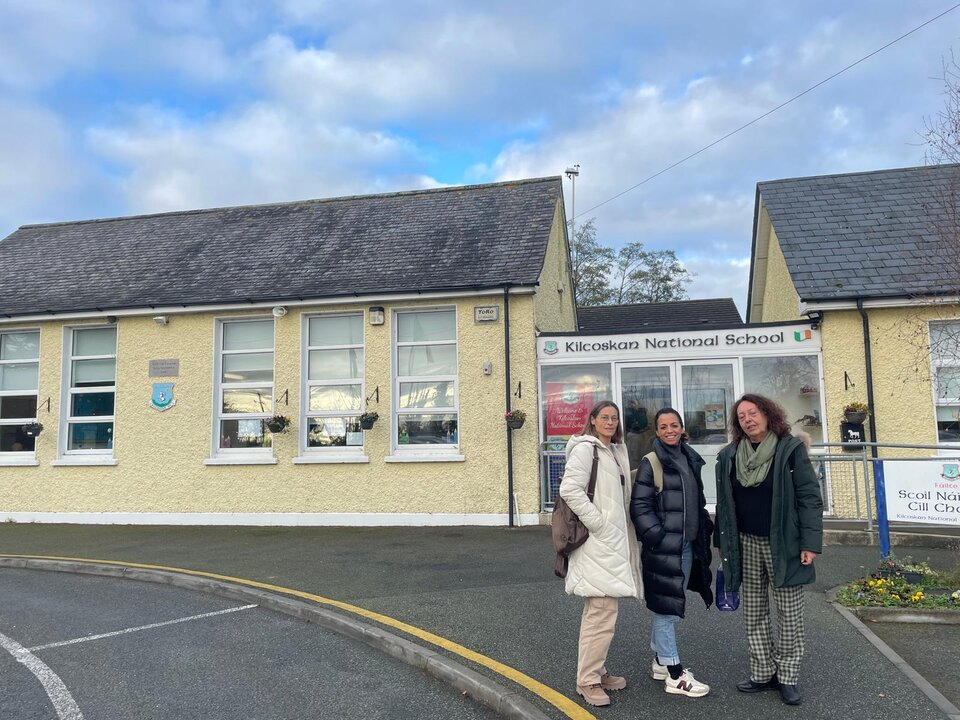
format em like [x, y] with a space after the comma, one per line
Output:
[793, 382]
[91, 373]
[334, 432]
[426, 326]
[427, 360]
[12, 439]
[336, 330]
[91, 404]
[94, 341]
[427, 429]
[948, 423]
[324, 398]
[948, 382]
[18, 376]
[707, 395]
[248, 400]
[645, 391]
[254, 335]
[20, 346]
[426, 395]
[90, 436]
[248, 367]
[244, 434]
[336, 364]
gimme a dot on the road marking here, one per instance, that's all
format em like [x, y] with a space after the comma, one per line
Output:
[61, 698]
[571, 709]
[141, 627]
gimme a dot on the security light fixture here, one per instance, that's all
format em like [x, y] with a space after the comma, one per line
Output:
[161, 319]
[279, 311]
[376, 315]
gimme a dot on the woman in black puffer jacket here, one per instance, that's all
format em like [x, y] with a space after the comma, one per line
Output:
[675, 529]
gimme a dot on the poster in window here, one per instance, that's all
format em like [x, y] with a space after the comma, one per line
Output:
[568, 406]
[714, 417]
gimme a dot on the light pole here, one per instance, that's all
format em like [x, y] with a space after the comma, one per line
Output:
[572, 173]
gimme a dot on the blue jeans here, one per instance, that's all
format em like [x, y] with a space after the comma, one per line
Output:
[663, 631]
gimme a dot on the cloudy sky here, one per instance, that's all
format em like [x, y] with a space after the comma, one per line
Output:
[118, 107]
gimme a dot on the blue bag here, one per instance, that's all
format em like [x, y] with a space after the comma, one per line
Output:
[727, 600]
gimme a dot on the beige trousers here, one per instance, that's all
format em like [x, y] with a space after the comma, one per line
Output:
[597, 624]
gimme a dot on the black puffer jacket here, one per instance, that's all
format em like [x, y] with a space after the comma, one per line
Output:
[658, 519]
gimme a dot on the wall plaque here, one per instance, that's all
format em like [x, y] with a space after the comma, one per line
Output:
[165, 368]
[486, 313]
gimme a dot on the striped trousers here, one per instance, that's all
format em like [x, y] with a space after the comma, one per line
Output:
[766, 656]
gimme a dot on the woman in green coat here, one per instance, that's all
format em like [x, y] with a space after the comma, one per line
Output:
[769, 528]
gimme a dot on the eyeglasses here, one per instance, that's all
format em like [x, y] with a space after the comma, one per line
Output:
[608, 418]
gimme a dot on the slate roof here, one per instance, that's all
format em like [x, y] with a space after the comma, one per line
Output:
[680, 314]
[458, 238]
[869, 235]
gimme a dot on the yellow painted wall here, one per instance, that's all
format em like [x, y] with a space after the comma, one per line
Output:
[780, 299]
[161, 455]
[554, 310]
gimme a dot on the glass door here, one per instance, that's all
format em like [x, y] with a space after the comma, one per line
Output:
[644, 389]
[709, 388]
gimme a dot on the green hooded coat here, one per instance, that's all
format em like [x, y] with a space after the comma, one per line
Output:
[796, 521]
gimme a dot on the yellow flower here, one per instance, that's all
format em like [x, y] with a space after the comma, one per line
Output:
[894, 595]
[871, 583]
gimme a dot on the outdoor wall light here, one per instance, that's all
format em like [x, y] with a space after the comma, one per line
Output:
[376, 315]
[161, 319]
[279, 311]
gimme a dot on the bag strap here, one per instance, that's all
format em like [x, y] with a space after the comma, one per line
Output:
[593, 475]
[657, 470]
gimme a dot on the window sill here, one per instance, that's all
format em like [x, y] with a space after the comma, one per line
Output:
[332, 458]
[242, 460]
[423, 458]
[22, 461]
[79, 460]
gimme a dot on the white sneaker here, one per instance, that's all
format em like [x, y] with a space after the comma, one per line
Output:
[658, 671]
[686, 684]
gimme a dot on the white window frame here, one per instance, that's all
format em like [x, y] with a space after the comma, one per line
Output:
[935, 364]
[348, 453]
[246, 455]
[68, 392]
[423, 452]
[21, 457]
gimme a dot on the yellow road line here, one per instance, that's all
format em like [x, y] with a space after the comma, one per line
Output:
[571, 709]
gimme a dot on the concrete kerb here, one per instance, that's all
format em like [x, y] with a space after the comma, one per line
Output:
[935, 696]
[504, 702]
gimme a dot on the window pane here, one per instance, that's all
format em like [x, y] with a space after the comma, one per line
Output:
[336, 330]
[18, 376]
[12, 439]
[334, 432]
[336, 364]
[248, 400]
[707, 395]
[244, 434]
[18, 406]
[87, 404]
[427, 429]
[948, 382]
[96, 341]
[90, 436]
[252, 335]
[90, 373]
[248, 367]
[948, 423]
[945, 341]
[426, 395]
[324, 398]
[20, 346]
[427, 360]
[424, 326]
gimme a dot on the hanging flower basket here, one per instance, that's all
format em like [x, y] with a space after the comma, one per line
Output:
[32, 429]
[367, 420]
[856, 412]
[278, 424]
[515, 419]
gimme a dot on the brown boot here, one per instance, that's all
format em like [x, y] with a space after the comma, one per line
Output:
[612, 682]
[593, 695]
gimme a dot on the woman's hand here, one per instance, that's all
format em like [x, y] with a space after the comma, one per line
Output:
[807, 557]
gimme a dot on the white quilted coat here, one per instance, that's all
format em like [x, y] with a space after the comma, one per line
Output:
[608, 563]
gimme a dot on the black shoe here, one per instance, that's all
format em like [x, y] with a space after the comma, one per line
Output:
[790, 694]
[751, 686]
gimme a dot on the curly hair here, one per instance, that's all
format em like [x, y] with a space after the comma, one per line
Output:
[776, 416]
[588, 428]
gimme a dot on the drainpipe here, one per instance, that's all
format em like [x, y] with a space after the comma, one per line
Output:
[869, 367]
[507, 386]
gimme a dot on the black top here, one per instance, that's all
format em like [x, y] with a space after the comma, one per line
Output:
[691, 516]
[754, 504]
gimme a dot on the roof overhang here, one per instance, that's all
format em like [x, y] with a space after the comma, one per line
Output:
[809, 306]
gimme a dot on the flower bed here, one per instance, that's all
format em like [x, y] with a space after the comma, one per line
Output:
[904, 584]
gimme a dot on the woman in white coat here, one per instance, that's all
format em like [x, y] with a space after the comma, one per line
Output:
[606, 566]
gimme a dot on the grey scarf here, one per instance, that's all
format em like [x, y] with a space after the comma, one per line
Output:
[753, 465]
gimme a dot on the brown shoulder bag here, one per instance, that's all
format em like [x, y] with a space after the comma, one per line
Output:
[569, 532]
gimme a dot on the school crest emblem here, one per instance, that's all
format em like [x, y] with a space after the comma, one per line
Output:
[162, 398]
[550, 347]
[951, 471]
